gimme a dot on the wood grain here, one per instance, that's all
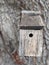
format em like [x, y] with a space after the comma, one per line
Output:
[31, 46]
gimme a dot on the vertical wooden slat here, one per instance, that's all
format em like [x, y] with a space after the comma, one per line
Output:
[30, 46]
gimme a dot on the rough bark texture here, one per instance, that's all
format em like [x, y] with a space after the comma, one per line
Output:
[9, 31]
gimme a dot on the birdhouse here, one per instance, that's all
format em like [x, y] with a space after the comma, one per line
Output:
[31, 34]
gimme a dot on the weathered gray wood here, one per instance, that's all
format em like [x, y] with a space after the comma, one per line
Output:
[31, 12]
[31, 46]
[29, 19]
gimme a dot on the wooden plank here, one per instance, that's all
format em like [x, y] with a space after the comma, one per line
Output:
[29, 19]
[31, 12]
[31, 42]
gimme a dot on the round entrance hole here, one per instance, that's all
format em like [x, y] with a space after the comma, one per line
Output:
[30, 35]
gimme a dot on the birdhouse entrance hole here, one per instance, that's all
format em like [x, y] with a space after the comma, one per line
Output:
[30, 35]
[31, 42]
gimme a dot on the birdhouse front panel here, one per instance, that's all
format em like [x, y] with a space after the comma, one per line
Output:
[31, 42]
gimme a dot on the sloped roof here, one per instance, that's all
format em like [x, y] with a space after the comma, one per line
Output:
[31, 20]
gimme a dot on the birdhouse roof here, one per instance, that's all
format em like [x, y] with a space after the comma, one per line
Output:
[30, 20]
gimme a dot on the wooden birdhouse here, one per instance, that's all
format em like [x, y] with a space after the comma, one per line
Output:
[31, 34]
